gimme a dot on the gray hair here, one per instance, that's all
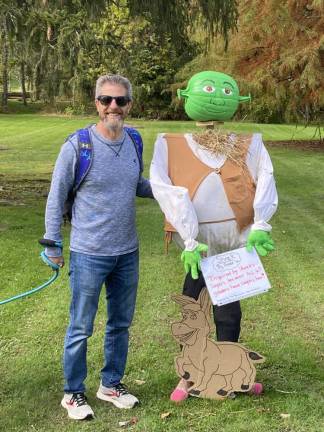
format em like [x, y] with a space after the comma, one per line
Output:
[114, 79]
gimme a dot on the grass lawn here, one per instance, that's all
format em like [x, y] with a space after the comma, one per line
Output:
[285, 325]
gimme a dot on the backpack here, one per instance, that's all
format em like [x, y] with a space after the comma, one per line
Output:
[84, 162]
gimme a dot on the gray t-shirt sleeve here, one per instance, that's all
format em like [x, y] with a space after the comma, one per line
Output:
[62, 182]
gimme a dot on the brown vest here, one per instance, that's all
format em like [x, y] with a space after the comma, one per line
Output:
[186, 170]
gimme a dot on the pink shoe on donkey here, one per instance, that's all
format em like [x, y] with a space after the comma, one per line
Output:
[257, 389]
[180, 393]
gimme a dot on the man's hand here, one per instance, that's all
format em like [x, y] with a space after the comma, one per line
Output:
[57, 260]
[262, 242]
[191, 259]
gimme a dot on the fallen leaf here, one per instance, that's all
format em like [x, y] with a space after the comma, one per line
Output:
[262, 409]
[139, 382]
[165, 415]
[284, 391]
[284, 416]
[126, 423]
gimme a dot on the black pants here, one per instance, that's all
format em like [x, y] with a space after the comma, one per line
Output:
[227, 318]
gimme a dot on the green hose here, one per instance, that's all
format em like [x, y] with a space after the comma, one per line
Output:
[32, 291]
[47, 261]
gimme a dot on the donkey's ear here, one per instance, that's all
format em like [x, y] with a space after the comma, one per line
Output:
[183, 300]
[204, 300]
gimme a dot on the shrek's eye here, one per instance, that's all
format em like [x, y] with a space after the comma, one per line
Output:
[227, 91]
[209, 89]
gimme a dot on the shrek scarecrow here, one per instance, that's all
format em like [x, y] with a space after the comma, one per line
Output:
[217, 192]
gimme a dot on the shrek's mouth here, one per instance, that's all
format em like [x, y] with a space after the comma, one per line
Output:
[217, 102]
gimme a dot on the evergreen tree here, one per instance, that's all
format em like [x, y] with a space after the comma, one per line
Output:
[277, 55]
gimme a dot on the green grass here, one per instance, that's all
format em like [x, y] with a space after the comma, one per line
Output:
[285, 325]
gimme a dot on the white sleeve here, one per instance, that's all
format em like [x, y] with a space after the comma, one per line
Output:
[266, 197]
[174, 201]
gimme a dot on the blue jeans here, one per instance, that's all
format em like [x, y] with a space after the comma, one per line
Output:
[87, 275]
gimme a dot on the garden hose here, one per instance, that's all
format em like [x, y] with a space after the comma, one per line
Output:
[47, 261]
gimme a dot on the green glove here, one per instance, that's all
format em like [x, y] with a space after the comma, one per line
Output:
[262, 242]
[191, 259]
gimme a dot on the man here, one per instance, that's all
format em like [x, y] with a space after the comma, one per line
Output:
[103, 244]
[216, 188]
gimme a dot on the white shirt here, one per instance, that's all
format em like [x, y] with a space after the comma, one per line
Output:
[210, 202]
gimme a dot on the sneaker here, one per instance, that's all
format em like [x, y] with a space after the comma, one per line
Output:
[77, 406]
[118, 395]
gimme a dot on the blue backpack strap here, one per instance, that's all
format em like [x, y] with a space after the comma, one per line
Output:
[138, 144]
[85, 156]
[83, 165]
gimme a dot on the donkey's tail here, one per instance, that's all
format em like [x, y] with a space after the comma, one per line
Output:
[255, 357]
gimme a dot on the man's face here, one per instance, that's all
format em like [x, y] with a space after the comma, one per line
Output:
[112, 116]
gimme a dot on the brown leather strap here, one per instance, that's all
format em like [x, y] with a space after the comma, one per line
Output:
[167, 241]
[218, 221]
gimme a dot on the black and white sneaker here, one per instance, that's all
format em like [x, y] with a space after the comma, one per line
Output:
[77, 406]
[118, 395]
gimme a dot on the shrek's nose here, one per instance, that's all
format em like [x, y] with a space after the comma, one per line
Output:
[217, 102]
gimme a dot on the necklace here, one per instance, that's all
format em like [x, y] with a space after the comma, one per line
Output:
[116, 152]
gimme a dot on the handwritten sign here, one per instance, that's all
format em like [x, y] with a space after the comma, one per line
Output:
[234, 275]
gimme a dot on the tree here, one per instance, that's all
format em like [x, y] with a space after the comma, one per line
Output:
[277, 55]
[9, 12]
[61, 36]
[176, 17]
[59, 46]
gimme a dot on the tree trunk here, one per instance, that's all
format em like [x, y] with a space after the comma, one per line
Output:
[23, 82]
[37, 84]
[5, 66]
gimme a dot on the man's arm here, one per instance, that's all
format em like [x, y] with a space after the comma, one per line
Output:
[62, 182]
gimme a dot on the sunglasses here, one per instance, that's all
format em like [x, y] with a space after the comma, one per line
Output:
[106, 100]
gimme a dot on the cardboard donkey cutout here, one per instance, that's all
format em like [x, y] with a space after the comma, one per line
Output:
[216, 369]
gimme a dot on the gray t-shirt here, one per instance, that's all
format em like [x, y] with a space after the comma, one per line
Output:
[103, 213]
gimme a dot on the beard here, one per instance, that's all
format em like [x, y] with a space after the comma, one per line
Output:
[113, 124]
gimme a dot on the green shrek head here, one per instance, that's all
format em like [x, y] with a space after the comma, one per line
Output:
[211, 96]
